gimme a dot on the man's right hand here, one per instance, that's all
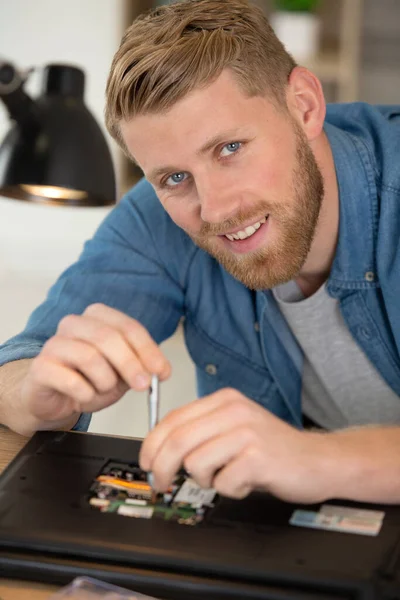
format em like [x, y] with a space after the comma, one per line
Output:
[91, 361]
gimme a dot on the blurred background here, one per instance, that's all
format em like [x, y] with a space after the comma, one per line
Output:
[352, 45]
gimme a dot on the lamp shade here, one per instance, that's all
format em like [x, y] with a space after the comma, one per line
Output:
[55, 151]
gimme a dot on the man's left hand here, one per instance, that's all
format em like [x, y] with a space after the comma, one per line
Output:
[229, 442]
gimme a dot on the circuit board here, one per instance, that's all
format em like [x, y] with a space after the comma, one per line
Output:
[124, 489]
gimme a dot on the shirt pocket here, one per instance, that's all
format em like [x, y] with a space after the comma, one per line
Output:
[218, 366]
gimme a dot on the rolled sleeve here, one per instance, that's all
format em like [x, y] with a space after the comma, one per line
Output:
[12, 350]
[83, 422]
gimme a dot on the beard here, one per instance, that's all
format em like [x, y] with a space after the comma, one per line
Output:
[283, 258]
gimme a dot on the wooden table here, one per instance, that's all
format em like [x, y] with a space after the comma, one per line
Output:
[10, 444]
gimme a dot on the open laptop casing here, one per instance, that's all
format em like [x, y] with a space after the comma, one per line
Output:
[243, 549]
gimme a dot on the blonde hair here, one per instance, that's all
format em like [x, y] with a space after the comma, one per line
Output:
[178, 47]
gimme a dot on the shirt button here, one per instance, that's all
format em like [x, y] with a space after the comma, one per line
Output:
[257, 326]
[364, 332]
[211, 369]
[370, 276]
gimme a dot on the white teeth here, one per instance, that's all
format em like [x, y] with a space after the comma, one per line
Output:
[250, 230]
[245, 233]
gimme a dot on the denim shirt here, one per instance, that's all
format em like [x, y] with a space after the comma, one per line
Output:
[141, 263]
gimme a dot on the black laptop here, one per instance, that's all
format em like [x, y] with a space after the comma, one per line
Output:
[74, 504]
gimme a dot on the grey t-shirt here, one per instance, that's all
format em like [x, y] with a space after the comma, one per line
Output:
[340, 385]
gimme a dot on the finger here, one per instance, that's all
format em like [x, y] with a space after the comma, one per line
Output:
[50, 375]
[58, 391]
[194, 410]
[208, 459]
[101, 401]
[151, 356]
[111, 343]
[234, 480]
[184, 439]
[84, 358]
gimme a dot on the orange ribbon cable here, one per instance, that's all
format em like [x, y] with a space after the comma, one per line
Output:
[132, 485]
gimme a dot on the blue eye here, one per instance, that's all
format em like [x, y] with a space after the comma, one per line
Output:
[230, 148]
[176, 178]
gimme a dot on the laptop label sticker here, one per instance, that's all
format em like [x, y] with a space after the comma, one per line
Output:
[340, 518]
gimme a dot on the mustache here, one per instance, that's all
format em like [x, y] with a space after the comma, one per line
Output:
[242, 217]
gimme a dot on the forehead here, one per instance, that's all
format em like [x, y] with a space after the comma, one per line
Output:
[201, 115]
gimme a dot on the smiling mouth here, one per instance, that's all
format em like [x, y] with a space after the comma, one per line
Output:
[247, 232]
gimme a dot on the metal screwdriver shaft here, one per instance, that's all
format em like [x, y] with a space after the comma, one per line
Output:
[154, 405]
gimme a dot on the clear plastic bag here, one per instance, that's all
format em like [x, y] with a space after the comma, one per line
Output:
[86, 588]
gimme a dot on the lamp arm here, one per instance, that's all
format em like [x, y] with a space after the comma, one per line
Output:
[19, 105]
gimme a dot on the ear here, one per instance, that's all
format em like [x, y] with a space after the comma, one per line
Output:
[306, 102]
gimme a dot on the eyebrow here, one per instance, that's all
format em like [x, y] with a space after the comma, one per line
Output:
[209, 145]
[227, 136]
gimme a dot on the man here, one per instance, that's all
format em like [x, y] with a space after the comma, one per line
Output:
[273, 228]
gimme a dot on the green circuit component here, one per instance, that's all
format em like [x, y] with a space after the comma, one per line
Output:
[122, 489]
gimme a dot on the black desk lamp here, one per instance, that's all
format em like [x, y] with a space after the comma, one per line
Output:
[55, 151]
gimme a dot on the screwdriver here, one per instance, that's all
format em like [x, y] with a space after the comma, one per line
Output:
[154, 406]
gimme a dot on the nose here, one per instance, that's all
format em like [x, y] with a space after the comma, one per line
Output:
[218, 199]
